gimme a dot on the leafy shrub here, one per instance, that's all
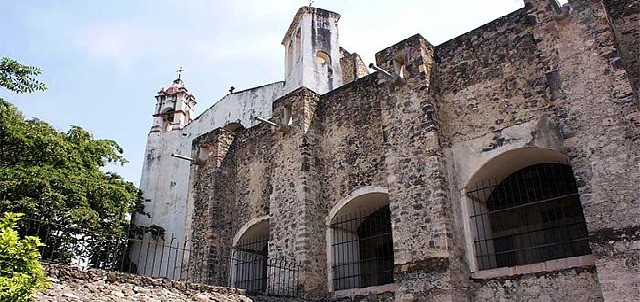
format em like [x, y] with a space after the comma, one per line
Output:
[21, 274]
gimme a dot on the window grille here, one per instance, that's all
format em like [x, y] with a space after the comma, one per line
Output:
[533, 215]
[362, 249]
[250, 264]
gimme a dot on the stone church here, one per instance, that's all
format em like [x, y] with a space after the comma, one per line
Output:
[501, 165]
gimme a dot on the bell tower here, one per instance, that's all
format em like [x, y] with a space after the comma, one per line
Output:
[312, 52]
[174, 107]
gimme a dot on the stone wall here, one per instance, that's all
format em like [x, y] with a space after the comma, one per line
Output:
[416, 178]
[564, 285]
[624, 17]
[351, 141]
[489, 80]
[72, 285]
[352, 67]
[543, 78]
[599, 120]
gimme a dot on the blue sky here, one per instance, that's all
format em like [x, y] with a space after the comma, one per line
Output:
[103, 61]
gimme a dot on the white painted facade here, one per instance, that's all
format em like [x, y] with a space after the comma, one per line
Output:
[312, 59]
[312, 51]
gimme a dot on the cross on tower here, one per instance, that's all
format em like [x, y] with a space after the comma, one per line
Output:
[310, 3]
[179, 71]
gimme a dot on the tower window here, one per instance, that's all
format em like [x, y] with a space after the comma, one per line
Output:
[323, 58]
[167, 119]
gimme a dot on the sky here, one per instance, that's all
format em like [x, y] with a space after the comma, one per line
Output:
[103, 61]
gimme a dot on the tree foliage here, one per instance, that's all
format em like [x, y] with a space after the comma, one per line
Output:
[21, 273]
[56, 179]
[56, 175]
[19, 78]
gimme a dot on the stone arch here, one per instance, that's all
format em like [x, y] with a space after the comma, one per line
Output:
[234, 127]
[522, 207]
[356, 193]
[249, 255]
[503, 164]
[359, 240]
[253, 226]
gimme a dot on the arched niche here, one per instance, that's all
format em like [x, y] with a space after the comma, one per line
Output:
[359, 240]
[249, 255]
[323, 58]
[500, 166]
[523, 208]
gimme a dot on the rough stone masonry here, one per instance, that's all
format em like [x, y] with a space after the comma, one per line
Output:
[544, 85]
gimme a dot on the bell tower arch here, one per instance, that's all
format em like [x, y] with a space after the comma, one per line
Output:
[174, 107]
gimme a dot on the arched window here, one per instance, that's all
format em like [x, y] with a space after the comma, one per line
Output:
[530, 216]
[249, 258]
[167, 119]
[323, 58]
[360, 243]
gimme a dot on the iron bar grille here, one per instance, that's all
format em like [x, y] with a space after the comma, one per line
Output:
[532, 216]
[140, 253]
[362, 249]
[255, 271]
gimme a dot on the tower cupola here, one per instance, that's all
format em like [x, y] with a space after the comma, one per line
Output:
[174, 108]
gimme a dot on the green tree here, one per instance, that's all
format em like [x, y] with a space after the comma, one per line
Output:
[56, 179]
[21, 273]
[19, 78]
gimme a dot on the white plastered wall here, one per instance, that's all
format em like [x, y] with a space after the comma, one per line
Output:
[165, 179]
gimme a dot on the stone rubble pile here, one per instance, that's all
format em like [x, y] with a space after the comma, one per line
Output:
[72, 284]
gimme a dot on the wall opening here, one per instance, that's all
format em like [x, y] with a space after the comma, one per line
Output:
[167, 119]
[527, 216]
[289, 62]
[298, 46]
[400, 66]
[234, 127]
[287, 118]
[323, 58]
[249, 258]
[361, 244]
